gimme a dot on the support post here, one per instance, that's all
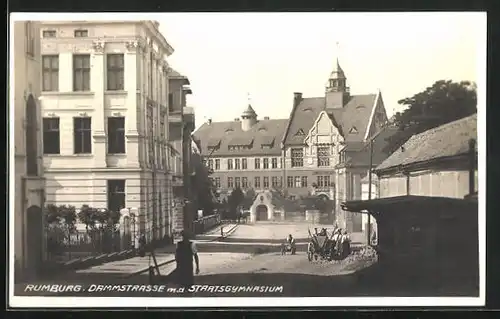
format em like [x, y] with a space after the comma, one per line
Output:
[368, 232]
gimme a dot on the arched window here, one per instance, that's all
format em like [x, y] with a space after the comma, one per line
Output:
[31, 137]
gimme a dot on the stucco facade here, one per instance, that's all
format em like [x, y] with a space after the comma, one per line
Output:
[126, 82]
[181, 125]
[29, 242]
[436, 182]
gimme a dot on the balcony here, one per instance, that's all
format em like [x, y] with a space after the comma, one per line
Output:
[174, 116]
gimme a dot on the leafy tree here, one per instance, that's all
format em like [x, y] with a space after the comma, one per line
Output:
[235, 199]
[204, 191]
[443, 102]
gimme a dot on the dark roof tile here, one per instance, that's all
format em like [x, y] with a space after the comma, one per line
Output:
[227, 132]
[351, 115]
[450, 139]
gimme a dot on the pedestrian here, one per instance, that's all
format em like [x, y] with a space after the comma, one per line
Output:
[184, 254]
[346, 245]
[142, 245]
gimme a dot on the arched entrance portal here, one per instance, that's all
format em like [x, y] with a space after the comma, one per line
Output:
[261, 212]
[323, 197]
[34, 238]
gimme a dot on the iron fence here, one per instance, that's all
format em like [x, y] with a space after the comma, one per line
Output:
[64, 244]
[204, 224]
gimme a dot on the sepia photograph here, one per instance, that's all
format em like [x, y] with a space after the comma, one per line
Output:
[280, 159]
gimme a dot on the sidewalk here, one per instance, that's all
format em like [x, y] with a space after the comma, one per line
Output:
[129, 267]
[215, 233]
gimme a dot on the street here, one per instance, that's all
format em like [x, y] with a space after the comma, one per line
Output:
[248, 267]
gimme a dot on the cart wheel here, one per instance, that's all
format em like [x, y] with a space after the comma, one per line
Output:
[309, 256]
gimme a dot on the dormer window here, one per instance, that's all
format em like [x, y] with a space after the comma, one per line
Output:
[353, 130]
[228, 130]
[300, 133]
[262, 129]
[361, 106]
[307, 109]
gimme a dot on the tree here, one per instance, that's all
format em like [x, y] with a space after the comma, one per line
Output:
[235, 199]
[204, 190]
[443, 102]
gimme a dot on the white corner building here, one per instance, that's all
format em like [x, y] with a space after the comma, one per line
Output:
[105, 119]
[26, 210]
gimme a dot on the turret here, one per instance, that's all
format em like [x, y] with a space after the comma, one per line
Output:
[248, 118]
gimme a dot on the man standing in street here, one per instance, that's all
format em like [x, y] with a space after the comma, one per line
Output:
[185, 253]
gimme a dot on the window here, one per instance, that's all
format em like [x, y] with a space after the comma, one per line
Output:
[244, 182]
[217, 164]
[237, 182]
[341, 157]
[81, 33]
[280, 181]
[323, 181]
[300, 133]
[297, 157]
[243, 163]
[170, 102]
[81, 72]
[116, 135]
[50, 73]
[51, 143]
[82, 131]
[292, 197]
[296, 181]
[256, 182]
[323, 156]
[257, 163]
[237, 164]
[115, 74]
[49, 34]
[274, 162]
[229, 164]
[217, 182]
[151, 57]
[211, 164]
[266, 182]
[303, 181]
[30, 39]
[230, 182]
[150, 138]
[116, 194]
[274, 181]
[266, 163]
[289, 181]
[31, 137]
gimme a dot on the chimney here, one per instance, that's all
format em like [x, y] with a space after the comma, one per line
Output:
[297, 98]
[472, 166]
[236, 119]
[209, 121]
[266, 117]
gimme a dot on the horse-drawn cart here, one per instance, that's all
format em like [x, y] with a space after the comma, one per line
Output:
[320, 246]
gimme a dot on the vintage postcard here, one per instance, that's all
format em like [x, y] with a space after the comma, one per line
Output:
[250, 160]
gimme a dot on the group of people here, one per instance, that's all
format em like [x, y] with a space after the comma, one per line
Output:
[342, 242]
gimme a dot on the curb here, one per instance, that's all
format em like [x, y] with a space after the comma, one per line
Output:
[147, 268]
[228, 233]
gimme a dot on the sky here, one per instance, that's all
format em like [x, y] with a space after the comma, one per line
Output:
[230, 57]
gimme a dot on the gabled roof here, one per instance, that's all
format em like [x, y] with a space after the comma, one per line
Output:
[304, 115]
[360, 155]
[262, 132]
[451, 139]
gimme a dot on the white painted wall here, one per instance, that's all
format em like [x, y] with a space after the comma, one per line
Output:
[81, 179]
[26, 81]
